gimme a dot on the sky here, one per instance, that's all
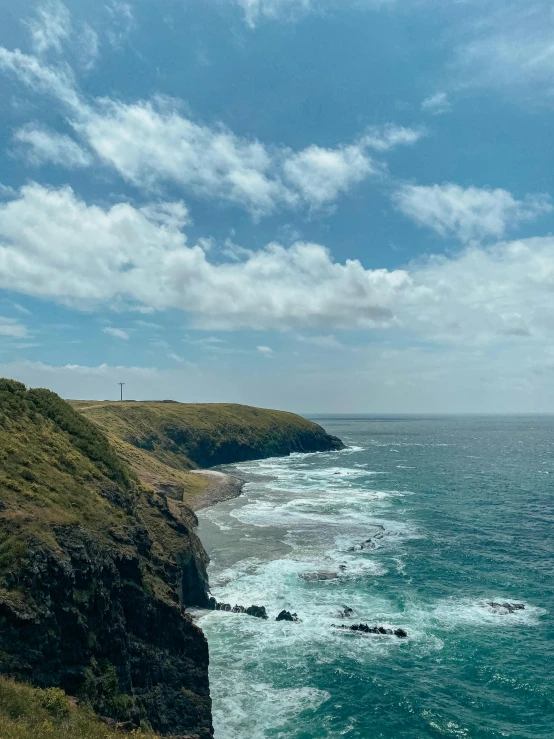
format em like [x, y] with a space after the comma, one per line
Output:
[316, 205]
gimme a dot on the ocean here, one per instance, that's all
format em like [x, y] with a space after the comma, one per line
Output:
[420, 524]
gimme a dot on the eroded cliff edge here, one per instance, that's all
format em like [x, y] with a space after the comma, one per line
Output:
[98, 554]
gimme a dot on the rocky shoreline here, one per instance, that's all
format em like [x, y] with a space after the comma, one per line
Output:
[220, 487]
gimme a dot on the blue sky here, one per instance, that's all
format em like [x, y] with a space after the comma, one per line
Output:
[304, 204]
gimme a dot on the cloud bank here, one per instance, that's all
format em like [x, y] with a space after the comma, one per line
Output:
[141, 256]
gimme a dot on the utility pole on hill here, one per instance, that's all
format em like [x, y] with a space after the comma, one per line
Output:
[121, 388]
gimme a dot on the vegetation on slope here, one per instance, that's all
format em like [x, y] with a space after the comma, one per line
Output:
[165, 440]
[33, 713]
[94, 571]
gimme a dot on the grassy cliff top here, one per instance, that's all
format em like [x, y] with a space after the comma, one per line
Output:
[163, 441]
[204, 422]
[56, 469]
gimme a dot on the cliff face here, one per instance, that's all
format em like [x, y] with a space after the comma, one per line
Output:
[94, 571]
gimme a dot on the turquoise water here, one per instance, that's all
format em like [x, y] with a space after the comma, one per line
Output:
[460, 512]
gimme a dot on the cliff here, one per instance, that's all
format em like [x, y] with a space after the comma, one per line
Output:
[94, 570]
[98, 556]
[164, 441]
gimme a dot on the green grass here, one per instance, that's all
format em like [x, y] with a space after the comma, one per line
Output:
[155, 426]
[32, 713]
[164, 441]
[56, 468]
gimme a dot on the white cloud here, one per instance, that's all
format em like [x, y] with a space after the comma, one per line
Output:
[58, 82]
[501, 293]
[468, 213]
[46, 250]
[47, 146]
[387, 137]
[117, 333]
[321, 174]
[10, 327]
[483, 295]
[437, 104]
[50, 26]
[150, 144]
[267, 351]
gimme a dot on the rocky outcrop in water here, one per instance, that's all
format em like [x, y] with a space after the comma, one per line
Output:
[381, 630]
[287, 616]
[255, 611]
[365, 546]
[346, 612]
[505, 608]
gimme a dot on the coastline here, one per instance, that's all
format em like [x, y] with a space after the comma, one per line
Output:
[220, 487]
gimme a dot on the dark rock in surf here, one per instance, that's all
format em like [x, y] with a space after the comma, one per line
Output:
[364, 546]
[346, 612]
[380, 630]
[287, 616]
[505, 608]
[257, 612]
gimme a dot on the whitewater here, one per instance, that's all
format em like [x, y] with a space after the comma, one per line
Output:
[420, 524]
